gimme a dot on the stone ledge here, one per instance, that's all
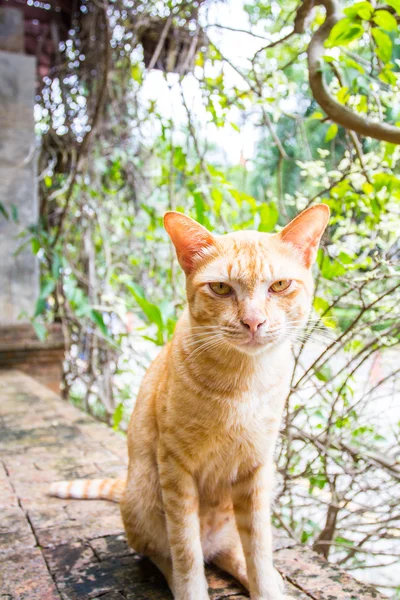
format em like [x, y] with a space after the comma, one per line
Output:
[22, 337]
[21, 349]
[73, 550]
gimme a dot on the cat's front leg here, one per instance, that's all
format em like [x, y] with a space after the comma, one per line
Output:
[181, 505]
[252, 504]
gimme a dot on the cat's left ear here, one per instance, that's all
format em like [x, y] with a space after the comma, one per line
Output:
[189, 238]
[305, 232]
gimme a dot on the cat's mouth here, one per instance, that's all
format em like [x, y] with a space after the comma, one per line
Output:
[256, 342]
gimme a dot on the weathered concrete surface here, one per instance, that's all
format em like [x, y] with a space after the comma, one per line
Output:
[69, 549]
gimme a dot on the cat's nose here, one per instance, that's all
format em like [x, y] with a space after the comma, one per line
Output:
[253, 323]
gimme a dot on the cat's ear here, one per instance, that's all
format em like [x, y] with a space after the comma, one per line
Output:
[189, 238]
[305, 232]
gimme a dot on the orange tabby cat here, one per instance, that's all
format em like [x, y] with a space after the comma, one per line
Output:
[202, 436]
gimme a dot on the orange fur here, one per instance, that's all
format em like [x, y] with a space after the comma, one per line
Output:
[88, 489]
[202, 435]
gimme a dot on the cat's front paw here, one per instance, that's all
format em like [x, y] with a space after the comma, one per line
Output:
[281, 585]
[279, 581]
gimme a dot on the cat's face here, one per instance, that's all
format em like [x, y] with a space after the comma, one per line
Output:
[250, 289]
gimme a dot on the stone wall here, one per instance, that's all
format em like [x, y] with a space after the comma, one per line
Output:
[19, 279]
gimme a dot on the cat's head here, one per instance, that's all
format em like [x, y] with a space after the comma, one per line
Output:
[251, 289]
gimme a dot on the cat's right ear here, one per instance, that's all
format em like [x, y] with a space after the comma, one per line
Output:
[189, 238]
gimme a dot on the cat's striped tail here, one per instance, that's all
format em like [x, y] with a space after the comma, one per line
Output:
[89, 489]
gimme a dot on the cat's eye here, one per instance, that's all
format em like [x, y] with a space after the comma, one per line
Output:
[280, 286]
[220, 288]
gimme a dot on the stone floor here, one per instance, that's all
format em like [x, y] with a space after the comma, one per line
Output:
[71, 549]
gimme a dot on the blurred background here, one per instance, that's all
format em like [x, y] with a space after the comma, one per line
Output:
[114, 111]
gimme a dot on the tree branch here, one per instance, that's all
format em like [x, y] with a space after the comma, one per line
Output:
[339, 113]
[82, 150]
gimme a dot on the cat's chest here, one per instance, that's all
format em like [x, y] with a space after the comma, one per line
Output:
[242, 440]
[248, 414]
[224, 435]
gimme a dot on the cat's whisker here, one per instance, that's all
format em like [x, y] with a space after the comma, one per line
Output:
[200, 333]
[304, 331]
[209, 347]
[209, 326]
[206, 327]
[203, 340]
[302, 340]
[309, 335]
[214, 327]
[204, 346]
[314, 328]
[194, 336]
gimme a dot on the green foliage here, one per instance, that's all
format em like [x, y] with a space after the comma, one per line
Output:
[6, 214]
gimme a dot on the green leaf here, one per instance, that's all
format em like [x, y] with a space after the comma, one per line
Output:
[269, 216]
[40, 330]
[35, 245]
[345, 259]
[151, 311]
[218, 197]
[199, 206]
[14, 213]
[349, 62]
[137, 73]
[3, 211]
[384, 45]
[154, 340]
[214, 172]
[330, 268]
[344, 32]
[343, 540]
[305, 536]
[22, 247]
[167, 310]
[47, 287]
[331, 133]
[48, 181]
[249, 199]
[320, 305]
[362, 105]
[236, 195]
[97, 318]
[179, 158]
[56, 266]
[117, 416]
[387, 76]
[323, 374]
[319, 480]
[394, 4]
[384, 19]
[40, 307]
[363, 10]
[77, 298]
[343, 95]
[342, 422]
